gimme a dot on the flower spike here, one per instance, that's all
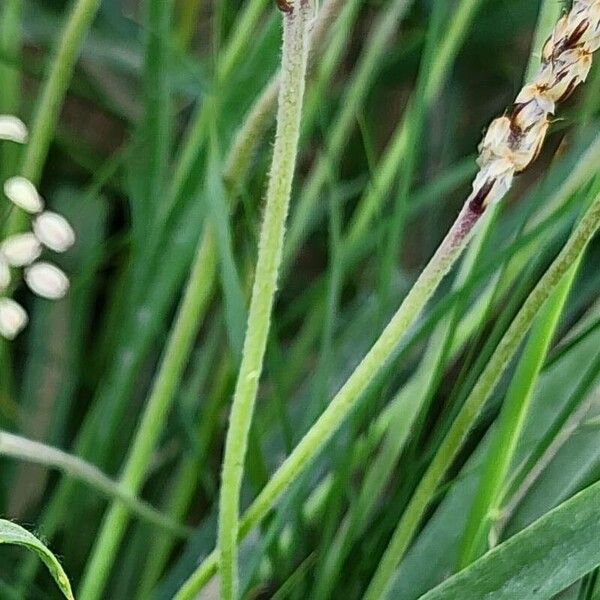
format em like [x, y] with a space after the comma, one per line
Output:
[512, 142]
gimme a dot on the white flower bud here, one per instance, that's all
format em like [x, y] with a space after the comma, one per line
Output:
[20, 249]
[47, 280]
[4, 274]
[12, 129]
[13, 318]
[54, 231]
[22, 192]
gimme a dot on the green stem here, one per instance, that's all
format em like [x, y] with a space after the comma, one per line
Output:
[259, 117]
[22, 448]
[470, 411]
[53, 93]
[291, 93]
[346, 399]
[150, 428]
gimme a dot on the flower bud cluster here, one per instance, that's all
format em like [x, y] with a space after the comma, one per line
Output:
[49, 231]
[514, 140]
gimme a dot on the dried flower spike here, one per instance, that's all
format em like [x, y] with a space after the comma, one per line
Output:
[12, 129]
[513, 141]
[22, 193]
[21, 249]
[47, 280]
[13, 318]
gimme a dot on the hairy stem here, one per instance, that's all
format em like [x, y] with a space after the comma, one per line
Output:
[346, 399]
[291, 92]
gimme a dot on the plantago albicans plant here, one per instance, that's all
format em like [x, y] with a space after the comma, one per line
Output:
[350, 461]
[509, 146]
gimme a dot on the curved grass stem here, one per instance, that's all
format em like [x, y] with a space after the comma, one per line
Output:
[21, 448]
[291, 92]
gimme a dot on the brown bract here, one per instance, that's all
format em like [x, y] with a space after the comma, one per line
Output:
[513, 141]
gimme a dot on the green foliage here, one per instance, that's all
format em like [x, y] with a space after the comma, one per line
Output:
[119, 396]
[11, 533]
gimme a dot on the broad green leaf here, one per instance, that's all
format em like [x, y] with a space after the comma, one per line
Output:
[537, 563]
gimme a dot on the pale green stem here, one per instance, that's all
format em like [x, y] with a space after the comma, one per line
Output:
[291, 93]
[257, 121]
[346, 399]
[470, 411]
[151, 425]
[260, 115]
[22, 448]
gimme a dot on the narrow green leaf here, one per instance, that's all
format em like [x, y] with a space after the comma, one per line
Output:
[11, 533]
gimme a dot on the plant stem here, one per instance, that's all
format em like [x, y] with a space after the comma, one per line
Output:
[22, 448]
[346, 399]
[485, 385]
[151, 425]
[259, 117]
[53, 93]
[291, 93]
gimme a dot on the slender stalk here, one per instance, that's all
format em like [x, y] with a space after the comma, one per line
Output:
[56, 86]
[291, 92]
[260, 115]
[484, 387]
[346, 399]
[151, 425]
[21, 448]
[53, 93]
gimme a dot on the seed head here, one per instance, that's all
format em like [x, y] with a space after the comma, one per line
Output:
[22, 193]
[54, 231]
[21, 249]
[513, 141]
